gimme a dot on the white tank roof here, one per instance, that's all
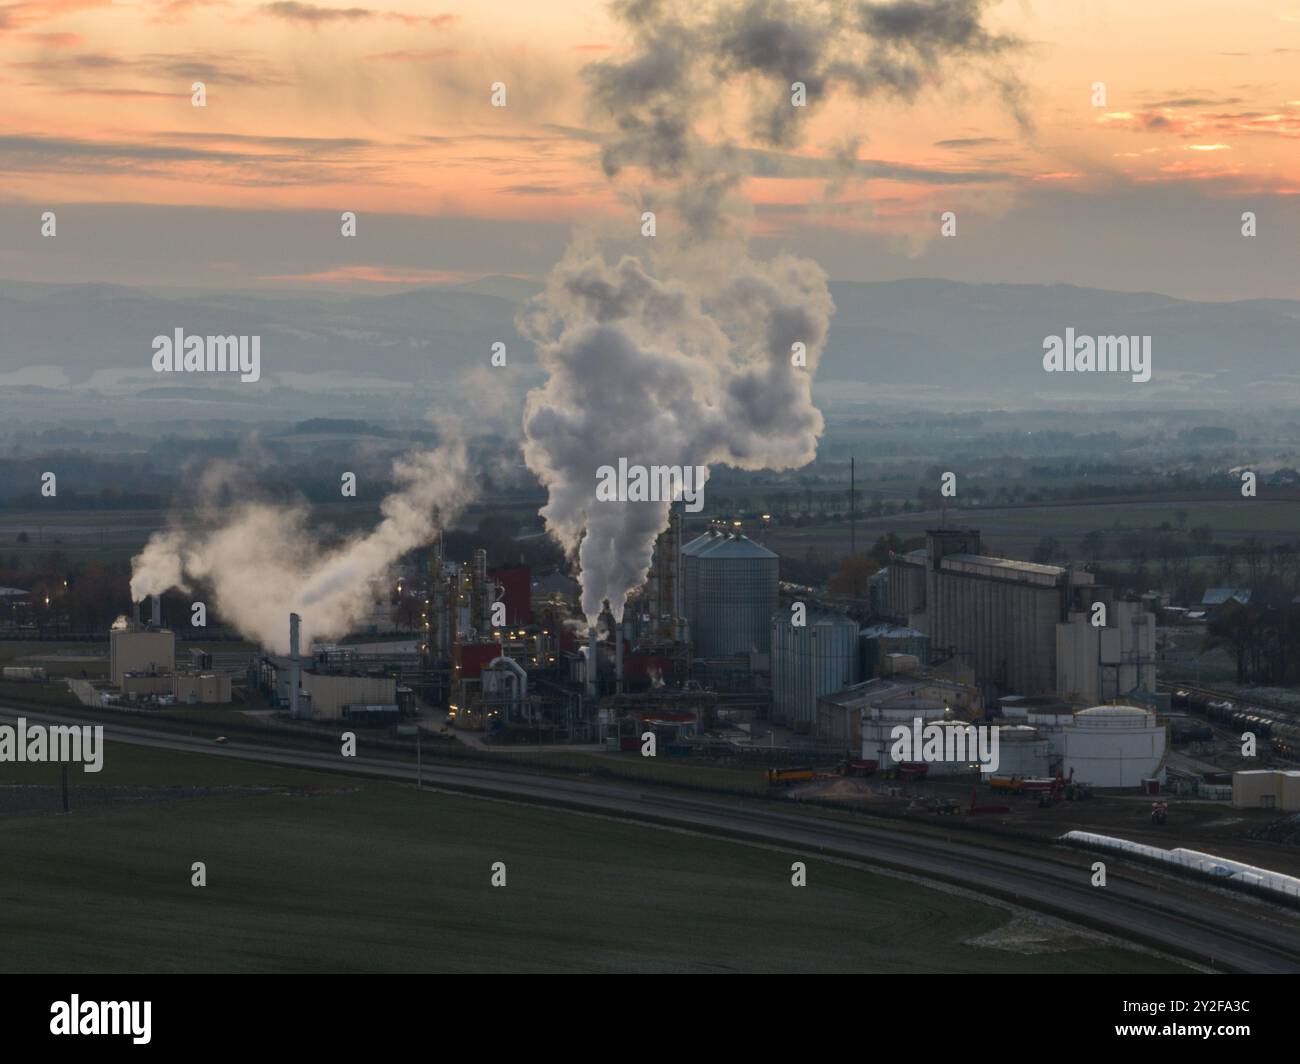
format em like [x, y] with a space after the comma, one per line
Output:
[1111, 716]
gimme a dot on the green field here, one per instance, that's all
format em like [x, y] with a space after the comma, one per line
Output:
[313, 872]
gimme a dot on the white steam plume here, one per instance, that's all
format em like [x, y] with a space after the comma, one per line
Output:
[265, 562]
[680, 352]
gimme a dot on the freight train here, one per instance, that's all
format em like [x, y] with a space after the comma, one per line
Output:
[1282, 732]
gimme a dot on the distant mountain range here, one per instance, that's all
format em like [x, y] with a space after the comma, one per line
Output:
[934, 341]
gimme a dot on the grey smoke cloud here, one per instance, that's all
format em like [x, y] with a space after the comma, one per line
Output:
[680, 352]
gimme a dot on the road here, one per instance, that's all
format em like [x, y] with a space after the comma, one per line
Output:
[1179, 919]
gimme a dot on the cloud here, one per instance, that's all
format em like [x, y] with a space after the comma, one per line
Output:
[1200, 124]
[293, 11]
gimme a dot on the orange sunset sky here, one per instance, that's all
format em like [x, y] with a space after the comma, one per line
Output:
[384, 110]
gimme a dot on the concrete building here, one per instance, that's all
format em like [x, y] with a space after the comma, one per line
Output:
[140, 650]
[1262, 788]
[815, 659]
[207, 688]
[1115, 746]
[140, 684]
[1024, 628]
[1097, 664]
[730, 593]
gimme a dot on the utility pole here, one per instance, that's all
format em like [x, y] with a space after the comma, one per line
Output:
[853, 508]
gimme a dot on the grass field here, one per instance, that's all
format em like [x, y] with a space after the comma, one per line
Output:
[1016, 530]
[312, 872]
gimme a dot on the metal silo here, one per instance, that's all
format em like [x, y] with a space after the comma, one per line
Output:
[815, 659]
[731, 589]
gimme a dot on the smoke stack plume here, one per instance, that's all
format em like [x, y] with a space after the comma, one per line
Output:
[687, 351]
[265, 561]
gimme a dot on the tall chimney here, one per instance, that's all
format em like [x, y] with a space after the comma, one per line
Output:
[593, 662]
[156, 605]
[135, 611]
[295, 669]
[618, 657]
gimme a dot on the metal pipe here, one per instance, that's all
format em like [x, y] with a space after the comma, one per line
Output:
[593, 667]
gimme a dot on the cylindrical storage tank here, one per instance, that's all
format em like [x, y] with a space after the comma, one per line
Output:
[733, 594]
[816, 659]
[1114, 746]
[690, 574]
[1022, 751]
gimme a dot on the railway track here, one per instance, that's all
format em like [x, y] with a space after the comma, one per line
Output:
[1184, 921]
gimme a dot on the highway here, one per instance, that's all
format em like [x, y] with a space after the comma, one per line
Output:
[1180, 919]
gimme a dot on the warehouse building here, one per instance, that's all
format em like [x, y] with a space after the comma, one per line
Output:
[1261, 788]
[330, 693]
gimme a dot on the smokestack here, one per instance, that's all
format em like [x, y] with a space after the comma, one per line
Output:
[295, 669]
[618, 658]
[155, 604]
[135, 611]
[593, 667]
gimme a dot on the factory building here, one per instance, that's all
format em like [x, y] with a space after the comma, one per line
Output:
[729, 593]
[1114, 746]
[1098, 664]
[331, 693]
[1260, 788]
[881, 640]
[861, 717]
[1025, 628]
[809, 661]
[133, 648]
[203, 687]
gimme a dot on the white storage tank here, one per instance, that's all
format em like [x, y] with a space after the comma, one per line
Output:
[1022, 751]
[1114, 746]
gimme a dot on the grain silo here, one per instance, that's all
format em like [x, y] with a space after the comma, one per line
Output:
[808, 661]
[731, 592]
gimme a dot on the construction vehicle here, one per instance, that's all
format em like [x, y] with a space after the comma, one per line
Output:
[1159, 812]
[945, 806]
[788, 777]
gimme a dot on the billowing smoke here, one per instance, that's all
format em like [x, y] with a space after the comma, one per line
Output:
[264, 561]
[682, 352]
